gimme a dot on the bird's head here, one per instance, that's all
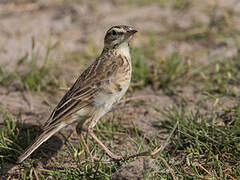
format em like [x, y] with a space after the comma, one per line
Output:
[118, 35]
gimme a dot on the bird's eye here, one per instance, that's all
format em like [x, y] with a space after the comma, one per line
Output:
[114, 32]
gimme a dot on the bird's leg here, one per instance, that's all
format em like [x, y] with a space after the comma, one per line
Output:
[113, 156]
[89, 130]
[83, 142]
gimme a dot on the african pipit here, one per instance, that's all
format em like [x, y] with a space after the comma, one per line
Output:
[99, 87]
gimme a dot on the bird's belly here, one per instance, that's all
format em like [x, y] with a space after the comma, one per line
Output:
[122, 92]
[106, 99]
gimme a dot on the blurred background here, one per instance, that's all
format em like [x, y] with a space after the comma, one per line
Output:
[184, 95]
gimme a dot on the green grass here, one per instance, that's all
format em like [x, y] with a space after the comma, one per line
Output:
[14, 136]
[176, 4]
[165, 72]
[224, 74]
[29, 73]
[169, 71]
[201, 146]
[8, 137]
[83, 58]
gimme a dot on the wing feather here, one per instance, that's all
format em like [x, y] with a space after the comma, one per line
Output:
[83, 91]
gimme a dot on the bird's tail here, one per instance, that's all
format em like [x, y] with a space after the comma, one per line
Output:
[41, 139]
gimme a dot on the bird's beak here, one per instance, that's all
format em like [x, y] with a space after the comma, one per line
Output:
[132, 31]
[130, 34]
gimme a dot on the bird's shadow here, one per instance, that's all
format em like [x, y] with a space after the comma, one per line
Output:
[20, 137]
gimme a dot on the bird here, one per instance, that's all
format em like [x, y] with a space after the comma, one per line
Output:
[94, 93]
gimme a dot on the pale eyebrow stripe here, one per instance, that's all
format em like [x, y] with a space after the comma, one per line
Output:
[119, 30]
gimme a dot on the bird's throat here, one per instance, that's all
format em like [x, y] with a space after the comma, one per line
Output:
[123, 49]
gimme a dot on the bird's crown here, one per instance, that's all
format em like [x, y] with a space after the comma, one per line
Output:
[117, 35]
